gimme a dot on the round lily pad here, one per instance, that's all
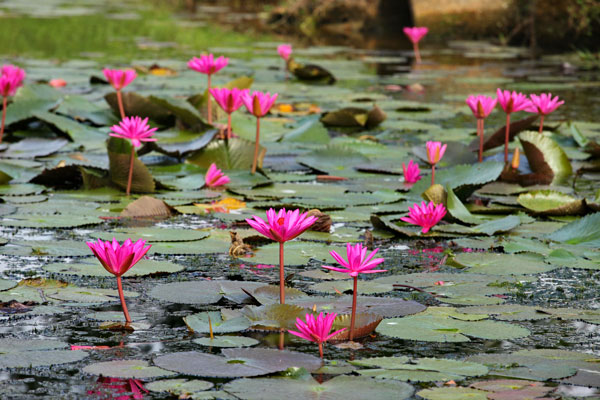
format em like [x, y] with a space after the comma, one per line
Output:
[295, 253]
[419, 370]
[92, 267]
[126, 369]
[203, 292]
[6, 284]
[227, 341]
[153, 234]
[199, 323]
[452, 393]
[274, 316]
[503, 264]
[48, 221]
[383, 306]
[338, 388]
[23, 353]
[179, 387]
[236, 362]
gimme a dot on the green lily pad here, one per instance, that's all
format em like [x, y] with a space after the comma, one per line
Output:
[94, 268]
[199, 323]
[546, 156]
[179, 387]
[203, 292]
[153, 234]
[24, 353]
[49, 221]
[551, 202]
[452, 393]
[584, 231]
[126, 369]
[227, 341]
[503, 264]
[340, 387]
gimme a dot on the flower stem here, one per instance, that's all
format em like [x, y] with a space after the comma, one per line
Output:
[480, 133]
[432, 174]
[281, 276]
[281, 339]
[120, 101]
[229, 126]
[122, 297]
[417, 52]
[130, 170]
[353, 316]
[541, 125]
[4, 101]
[256, 145]
[506, 138]
[321, 349]
[209, 103]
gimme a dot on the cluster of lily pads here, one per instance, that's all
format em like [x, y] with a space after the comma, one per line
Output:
[210, 283]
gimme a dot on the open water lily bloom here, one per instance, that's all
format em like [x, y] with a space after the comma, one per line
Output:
[316, 329]
[229, 100]
[215, 177]
[208, 64]
[282, 226]
[358, 262]
[543, 105]
[135, 129]
[425, 215]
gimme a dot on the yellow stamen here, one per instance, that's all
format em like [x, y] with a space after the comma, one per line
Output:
[515, 160]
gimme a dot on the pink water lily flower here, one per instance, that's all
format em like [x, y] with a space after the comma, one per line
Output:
[412, 173]
[481, 106]
[11, 78]
[282, 226]
[415, 34]
[425, 215]
[316, 329]
[229, 100]
[118, 259]
[543, 105]
[119, 78]
[284, 50]
[435, 152]
[207, 64]
[358, 261]
[258, 104]
[511, 102]
[137, 130]
[215, 177]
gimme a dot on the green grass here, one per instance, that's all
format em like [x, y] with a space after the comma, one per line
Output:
[66, 38]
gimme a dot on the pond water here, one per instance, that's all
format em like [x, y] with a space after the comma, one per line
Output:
[506, 287]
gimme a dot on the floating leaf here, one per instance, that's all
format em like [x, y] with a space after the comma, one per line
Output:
[24, 353]
[153, 234]
[94, 268]
[119, 155]
[227, 341]
[126, 369]
[551, 202]
[179, 387]
[236, 362]
[545, 157]
[202, 292]
[199, 323]
[452, 393]
[584, 231]
[274, 316]
[503, 264]
[231, 154]
[148, 207]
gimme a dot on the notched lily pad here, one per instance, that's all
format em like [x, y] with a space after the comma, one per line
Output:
[126, 369]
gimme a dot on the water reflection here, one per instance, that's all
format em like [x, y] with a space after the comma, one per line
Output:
[117, 388]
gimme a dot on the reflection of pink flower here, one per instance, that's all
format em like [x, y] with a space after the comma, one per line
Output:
[119, 78]
[425, 215]
[415, 34]
[215, 177]
[207, 64]
[135, 129]
[358, 261]
[481, 105]
[111, 387]
[77, 347]
[284, 50]
[412, 173]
